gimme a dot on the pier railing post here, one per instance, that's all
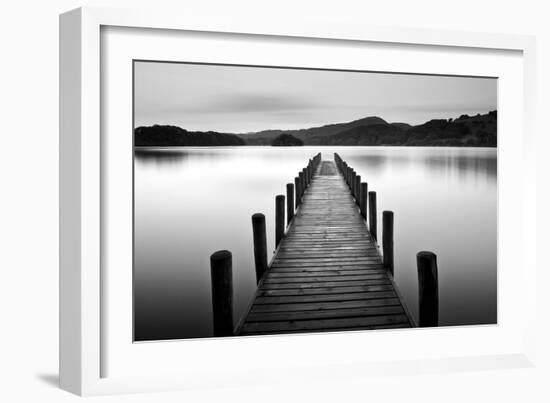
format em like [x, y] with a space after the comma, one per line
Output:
[364, 196]
[279, 219]
[302, 185]
[372, 215]
[387, 240]
[357, 188]
[345, 171]
[260, 245]
[221, 273]
[298, 190]
[428, 294]
[289, 202]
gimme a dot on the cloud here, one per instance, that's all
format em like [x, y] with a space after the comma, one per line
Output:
[250, 102]
[241, 103]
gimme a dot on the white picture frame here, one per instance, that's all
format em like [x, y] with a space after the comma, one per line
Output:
[83, 158]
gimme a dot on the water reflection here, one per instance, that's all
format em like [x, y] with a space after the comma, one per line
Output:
[190, 202]
[159, 157]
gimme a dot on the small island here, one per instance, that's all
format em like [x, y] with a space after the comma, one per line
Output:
[286, 140]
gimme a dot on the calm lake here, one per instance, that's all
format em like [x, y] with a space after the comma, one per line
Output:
[191, 202]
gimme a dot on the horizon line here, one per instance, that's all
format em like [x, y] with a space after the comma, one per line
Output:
[315, 127]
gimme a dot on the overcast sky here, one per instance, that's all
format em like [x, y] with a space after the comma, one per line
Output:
[237, 99]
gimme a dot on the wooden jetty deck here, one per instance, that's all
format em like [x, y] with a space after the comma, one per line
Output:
[327, 273]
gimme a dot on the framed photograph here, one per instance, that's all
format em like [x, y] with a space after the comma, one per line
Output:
[238, 196]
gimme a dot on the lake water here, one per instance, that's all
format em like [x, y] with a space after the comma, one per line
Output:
[191, 202]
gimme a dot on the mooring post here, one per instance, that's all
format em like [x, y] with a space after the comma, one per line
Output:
[260, 245]
[346, 172]
[222, 292]
[298, 190]
[428, 294]
[372, 214]
[279, 219]
[364, 196]
[352, 184]
[302, 185]
[289, 202]
[304, 178]
[387, 240]
[358, 190]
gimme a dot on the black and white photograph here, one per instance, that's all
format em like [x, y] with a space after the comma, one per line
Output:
[273, 200]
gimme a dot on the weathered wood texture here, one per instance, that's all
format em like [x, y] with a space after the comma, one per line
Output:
[327, 274]
[289, 202]
[221, 273]
[428, 293]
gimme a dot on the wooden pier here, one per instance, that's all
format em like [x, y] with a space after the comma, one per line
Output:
[327, 273]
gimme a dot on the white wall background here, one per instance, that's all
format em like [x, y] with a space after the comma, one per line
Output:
[29, 201]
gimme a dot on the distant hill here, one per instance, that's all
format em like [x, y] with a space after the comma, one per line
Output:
[404, 126]
[465, 131]
[381, 134]
[287, 140]
[164, 136]
[309, 136]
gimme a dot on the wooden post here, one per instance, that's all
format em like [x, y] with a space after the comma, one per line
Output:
[279, 219]
[387, 240]
[364, 196]
[346, 172]
[428, 294]
[372, 214]
[298, 190]
[289, 202]
[260, 245]
[222, 292]
[302, 185]
[352, 183]
[358, 190]
[306, 181]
